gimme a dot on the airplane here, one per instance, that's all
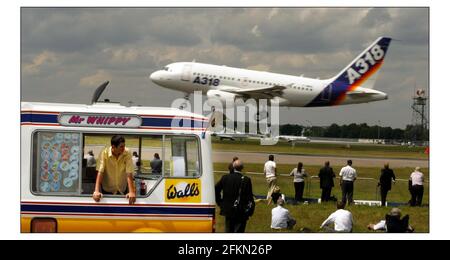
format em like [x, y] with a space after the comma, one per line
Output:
[235, 135]
[353, 85]
[293, 138]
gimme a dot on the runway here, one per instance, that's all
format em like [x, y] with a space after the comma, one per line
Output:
[252, 157]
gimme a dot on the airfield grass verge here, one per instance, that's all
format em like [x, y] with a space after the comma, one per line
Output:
[350, 150]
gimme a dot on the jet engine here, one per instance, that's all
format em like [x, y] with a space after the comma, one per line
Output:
[221, 96]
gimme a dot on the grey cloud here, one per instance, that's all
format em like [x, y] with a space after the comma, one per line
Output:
[293, 30]
[376, 17]
[75, 30]
[174, 31]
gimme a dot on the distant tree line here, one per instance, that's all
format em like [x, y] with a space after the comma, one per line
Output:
[357, 131]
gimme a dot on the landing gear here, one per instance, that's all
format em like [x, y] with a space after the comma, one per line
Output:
[185, 103]
[263, 115]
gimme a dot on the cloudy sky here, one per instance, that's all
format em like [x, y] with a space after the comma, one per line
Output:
[67, 52]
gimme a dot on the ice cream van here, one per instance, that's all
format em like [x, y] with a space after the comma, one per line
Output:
[57, 182]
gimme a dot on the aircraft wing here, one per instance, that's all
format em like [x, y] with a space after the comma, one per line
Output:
[263, 92]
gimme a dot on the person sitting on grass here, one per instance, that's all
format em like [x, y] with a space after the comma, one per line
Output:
[341, 218]
[276, 194]
[393, 223]
[281, 218]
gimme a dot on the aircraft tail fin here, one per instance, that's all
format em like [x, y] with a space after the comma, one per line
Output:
[363, 70]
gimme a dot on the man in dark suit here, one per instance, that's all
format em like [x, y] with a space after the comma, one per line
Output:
[230, 186]
[326, 176]
[386, 178]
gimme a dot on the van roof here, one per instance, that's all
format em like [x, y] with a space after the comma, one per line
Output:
[108, 107]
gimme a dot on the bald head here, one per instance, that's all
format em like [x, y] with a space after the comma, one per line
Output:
[238, 165]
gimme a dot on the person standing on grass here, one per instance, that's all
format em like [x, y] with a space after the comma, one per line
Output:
[348, 177]
[326, 176]
[416, 180]
[231, 187]
[270, 171]
[299, 181]
[386, 178]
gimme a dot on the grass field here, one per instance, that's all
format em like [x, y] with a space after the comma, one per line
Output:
[353, 150]
[311, 216]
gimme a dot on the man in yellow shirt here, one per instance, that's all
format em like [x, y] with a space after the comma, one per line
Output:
[115, 171]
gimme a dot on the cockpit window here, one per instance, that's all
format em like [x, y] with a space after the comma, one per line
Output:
[166, 68]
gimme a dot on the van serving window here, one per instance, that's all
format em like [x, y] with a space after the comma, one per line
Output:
[181, 158]
[60, 161]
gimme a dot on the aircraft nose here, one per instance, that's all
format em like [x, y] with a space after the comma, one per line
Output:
[154, 76]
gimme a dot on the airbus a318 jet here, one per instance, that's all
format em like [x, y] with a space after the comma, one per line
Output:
[353, 85]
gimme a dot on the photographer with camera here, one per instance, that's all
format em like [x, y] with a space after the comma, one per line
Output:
[234, 195]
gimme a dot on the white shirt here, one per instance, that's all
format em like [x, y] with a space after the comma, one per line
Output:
[269, 169]
[348, 173]
[380, 225]
[280, 217]
[417, 178]
[90, 161]
[342, 219]
[298, 176]
[135, 159]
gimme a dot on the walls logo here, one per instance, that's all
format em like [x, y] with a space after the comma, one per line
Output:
[183, 190]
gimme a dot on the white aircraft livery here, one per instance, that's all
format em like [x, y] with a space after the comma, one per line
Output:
[353, 85]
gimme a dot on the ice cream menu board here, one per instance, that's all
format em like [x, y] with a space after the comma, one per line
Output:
[58, 162]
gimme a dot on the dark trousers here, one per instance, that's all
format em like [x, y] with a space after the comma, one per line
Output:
[383, 192]
[326, 194]
[347, 192]
[235, 225]
[299, 188]
[416, 195]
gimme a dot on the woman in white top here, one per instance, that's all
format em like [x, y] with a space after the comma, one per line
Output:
[299, 181]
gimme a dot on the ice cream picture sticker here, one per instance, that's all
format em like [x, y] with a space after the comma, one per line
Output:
[59, 162]
[68, 182]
